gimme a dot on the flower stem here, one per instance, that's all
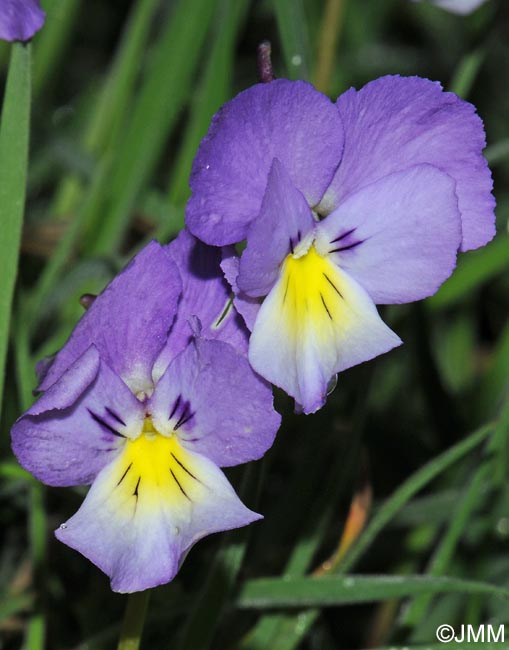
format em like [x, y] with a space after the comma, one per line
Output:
[134, 617]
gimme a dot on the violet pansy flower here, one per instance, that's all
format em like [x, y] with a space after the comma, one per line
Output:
[20, 19]
[150, 445]
[343, 206]
[461, 7]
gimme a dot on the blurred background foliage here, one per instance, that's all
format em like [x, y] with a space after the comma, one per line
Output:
[387, 513]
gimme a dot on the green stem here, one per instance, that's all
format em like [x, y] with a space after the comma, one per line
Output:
[134, 618]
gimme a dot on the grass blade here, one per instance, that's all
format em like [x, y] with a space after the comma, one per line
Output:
[346, 590]
[14, 137]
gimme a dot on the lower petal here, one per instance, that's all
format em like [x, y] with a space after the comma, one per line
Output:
[148, 508]
[315, 322]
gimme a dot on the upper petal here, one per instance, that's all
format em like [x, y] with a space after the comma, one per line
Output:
[78, 425]
[129, 321]
[394, 236]
[206, 295]
[288, 120]
[315, 322]
[394, 123]
[217, 404]
[144, 512]
[285, 220]
[20, 19]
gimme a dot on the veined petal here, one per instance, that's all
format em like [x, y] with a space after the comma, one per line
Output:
[216, 404]
[288, 120]
[395, 237]
[79, 425]
[397, 122]
[147, 508]
[315, 322]
[128, 322]
[284, 226]
[206, 295]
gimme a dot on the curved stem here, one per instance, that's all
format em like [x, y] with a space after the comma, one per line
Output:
[134, 618]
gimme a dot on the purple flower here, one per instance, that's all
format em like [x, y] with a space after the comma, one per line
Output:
[20, 19]
[343, 207]
[150, 435]
[462, 7]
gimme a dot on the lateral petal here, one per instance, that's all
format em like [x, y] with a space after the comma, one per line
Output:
[284, 224]
[78, 426]
[396, 122]
[217, 405]
[395, 237]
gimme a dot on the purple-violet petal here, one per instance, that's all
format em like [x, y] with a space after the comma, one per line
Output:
[20, 19]
[395, 237]
[288, 120]
[284, 226]
[214, 402]
[396, 122]
[129, 321]
[79, 425]
[206, 295]
[247, 307]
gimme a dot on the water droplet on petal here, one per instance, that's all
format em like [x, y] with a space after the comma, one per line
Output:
[177, 530]
[63, 526]
[332, 384]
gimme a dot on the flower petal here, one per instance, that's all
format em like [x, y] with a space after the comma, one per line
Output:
[247, 307]
[315, 322]
[282, 227]
[288, 120]
[128, 322]
[394, 123]
[217, 405]
[144, 512]
[395, 237]
[78, 425]
[206, 295]
[20, 19]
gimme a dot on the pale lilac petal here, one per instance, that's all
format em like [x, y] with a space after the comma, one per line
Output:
[288, 120]
[138, 528]
[284, 224]
[219, 408]
[461, 7]
[394, 123]
[128, 322]
[395, 237]
[206, 295]
[20, 19]
[78, 426]
[315, 322]
[247, 307]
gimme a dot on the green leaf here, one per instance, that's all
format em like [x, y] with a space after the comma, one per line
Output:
[14, 136]
[11, 605]
[214, 90]
[474, 270]
[265, 593]
[292, 26]
[409, 488]
[160, 99]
